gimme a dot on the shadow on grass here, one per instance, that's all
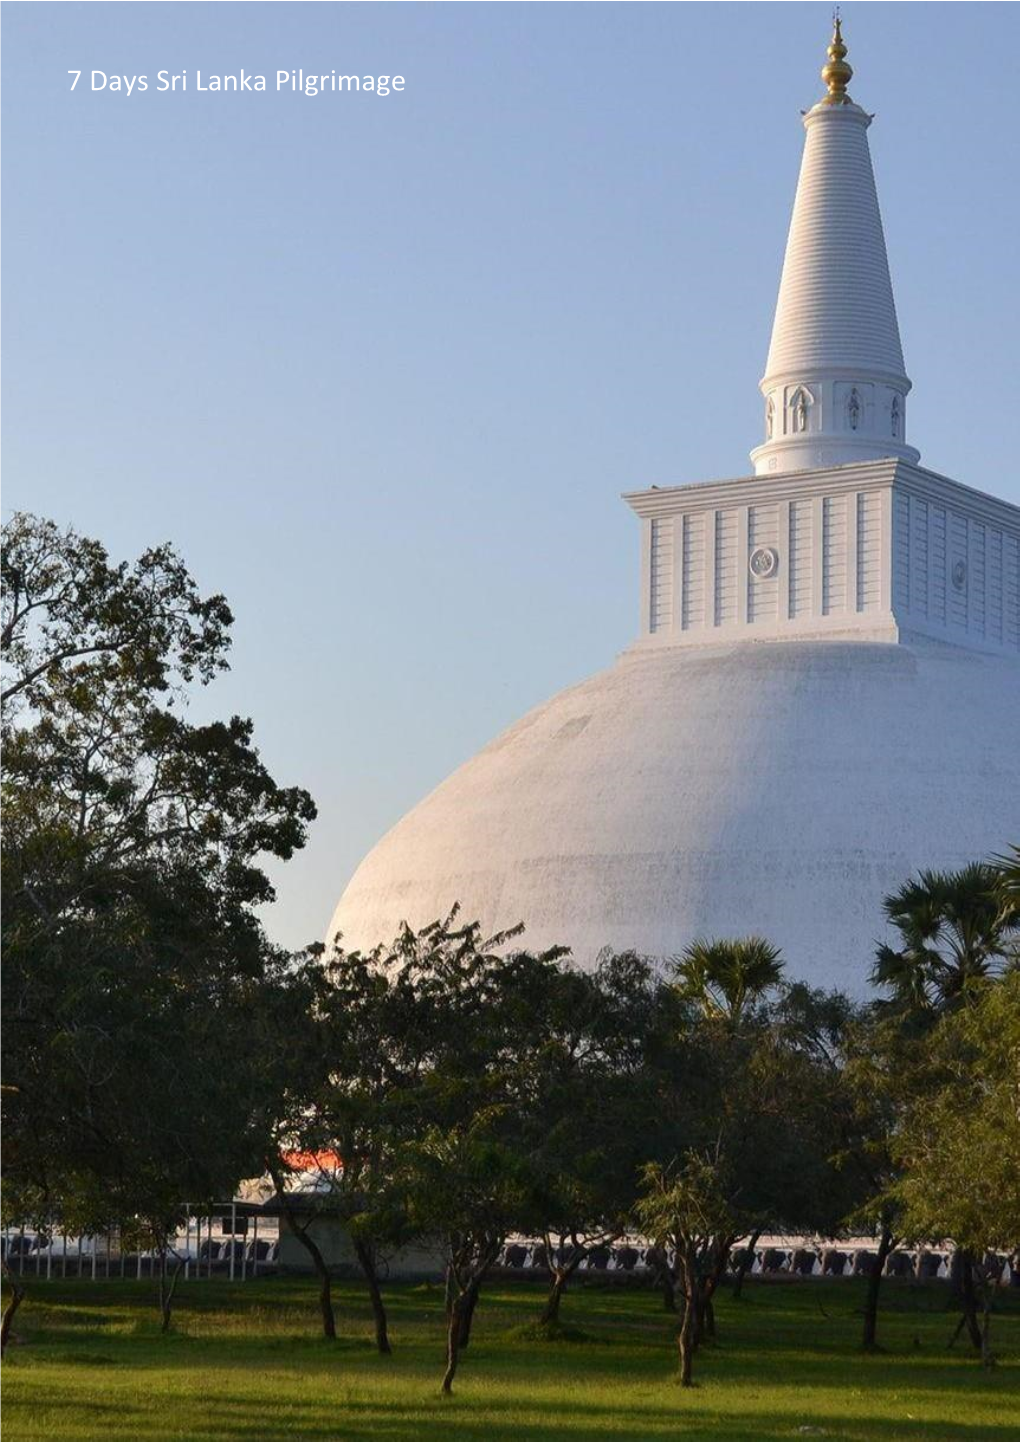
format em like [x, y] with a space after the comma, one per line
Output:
[521, 1361]
[254, 1368]
[470, 1418]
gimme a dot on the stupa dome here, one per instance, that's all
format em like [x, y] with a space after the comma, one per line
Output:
[825, 694]
[779, 788]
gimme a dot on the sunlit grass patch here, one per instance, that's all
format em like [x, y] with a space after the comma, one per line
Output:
[247, 1362]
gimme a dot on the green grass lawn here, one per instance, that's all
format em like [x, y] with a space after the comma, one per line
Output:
[245, 1362]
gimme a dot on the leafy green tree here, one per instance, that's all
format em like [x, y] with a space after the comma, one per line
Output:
[684, 1207]
[744, 1090]
[476, 1022]
[859, 1054]
[348, 1067]
[801, 1181]
[592, 1104]
[468, 1185]
[133, 952]
[713, 1014]
[288, 1038]
[65, 605]
[959, 1143]
[362, 1115]
[419, 1103]
[707, 1016]
[957, 930]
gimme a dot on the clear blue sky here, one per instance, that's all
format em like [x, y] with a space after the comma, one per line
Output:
[381, 367]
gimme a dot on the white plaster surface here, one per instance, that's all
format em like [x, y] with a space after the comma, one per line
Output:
[762, 787]
[836, 309]
[835, 335]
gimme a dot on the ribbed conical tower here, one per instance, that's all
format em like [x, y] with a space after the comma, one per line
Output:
[835, 387]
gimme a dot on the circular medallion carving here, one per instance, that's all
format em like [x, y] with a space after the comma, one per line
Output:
[763, 562]
[960, 575]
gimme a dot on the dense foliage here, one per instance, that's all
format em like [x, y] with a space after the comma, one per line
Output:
[133, 956]
[446, 1090]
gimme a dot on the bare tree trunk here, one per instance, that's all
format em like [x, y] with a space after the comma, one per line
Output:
[686, 1335]
[452, 1345]
[311, 1247]
[886, 1242]
[14, 1301]
[707, 1288]
[561, 1276]
[968, 1298]
[551, 1311]
[987, 1359]
[462, 1288]
[325, 1293]
[164, 1310]
[450, 1291]
[746, 1262]
[685, 1344]
[366, 1258]
[467, 1314]
[166, 1291]
[660, 1262]
[325, 1283]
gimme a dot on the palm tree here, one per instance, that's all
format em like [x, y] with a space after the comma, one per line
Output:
[954, 930]
[1008, 891]
[725, 977]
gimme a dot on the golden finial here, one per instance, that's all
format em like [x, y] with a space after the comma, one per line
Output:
[837, 73]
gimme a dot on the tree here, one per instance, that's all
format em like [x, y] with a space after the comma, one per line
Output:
[741, 1090]
[799, 1180]
[684, 1207]
[14, 1301]
[726, 978]
[347, 1075]
[65, 605]
[959, 1142]
[706, 1016]
[133, 953]
[288, 1040]
[592, 1103]
[468, 1185]
[470, 1031]
[957, 929]
[715, 1008]
[866, 1055]
[416, 1096]
[954, 931]
[1007, 891]
[856, 1052]
[301, 1212]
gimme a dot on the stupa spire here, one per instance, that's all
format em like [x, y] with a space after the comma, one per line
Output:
[835, 386]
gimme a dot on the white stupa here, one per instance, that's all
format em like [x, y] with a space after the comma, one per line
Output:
[825, 696]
